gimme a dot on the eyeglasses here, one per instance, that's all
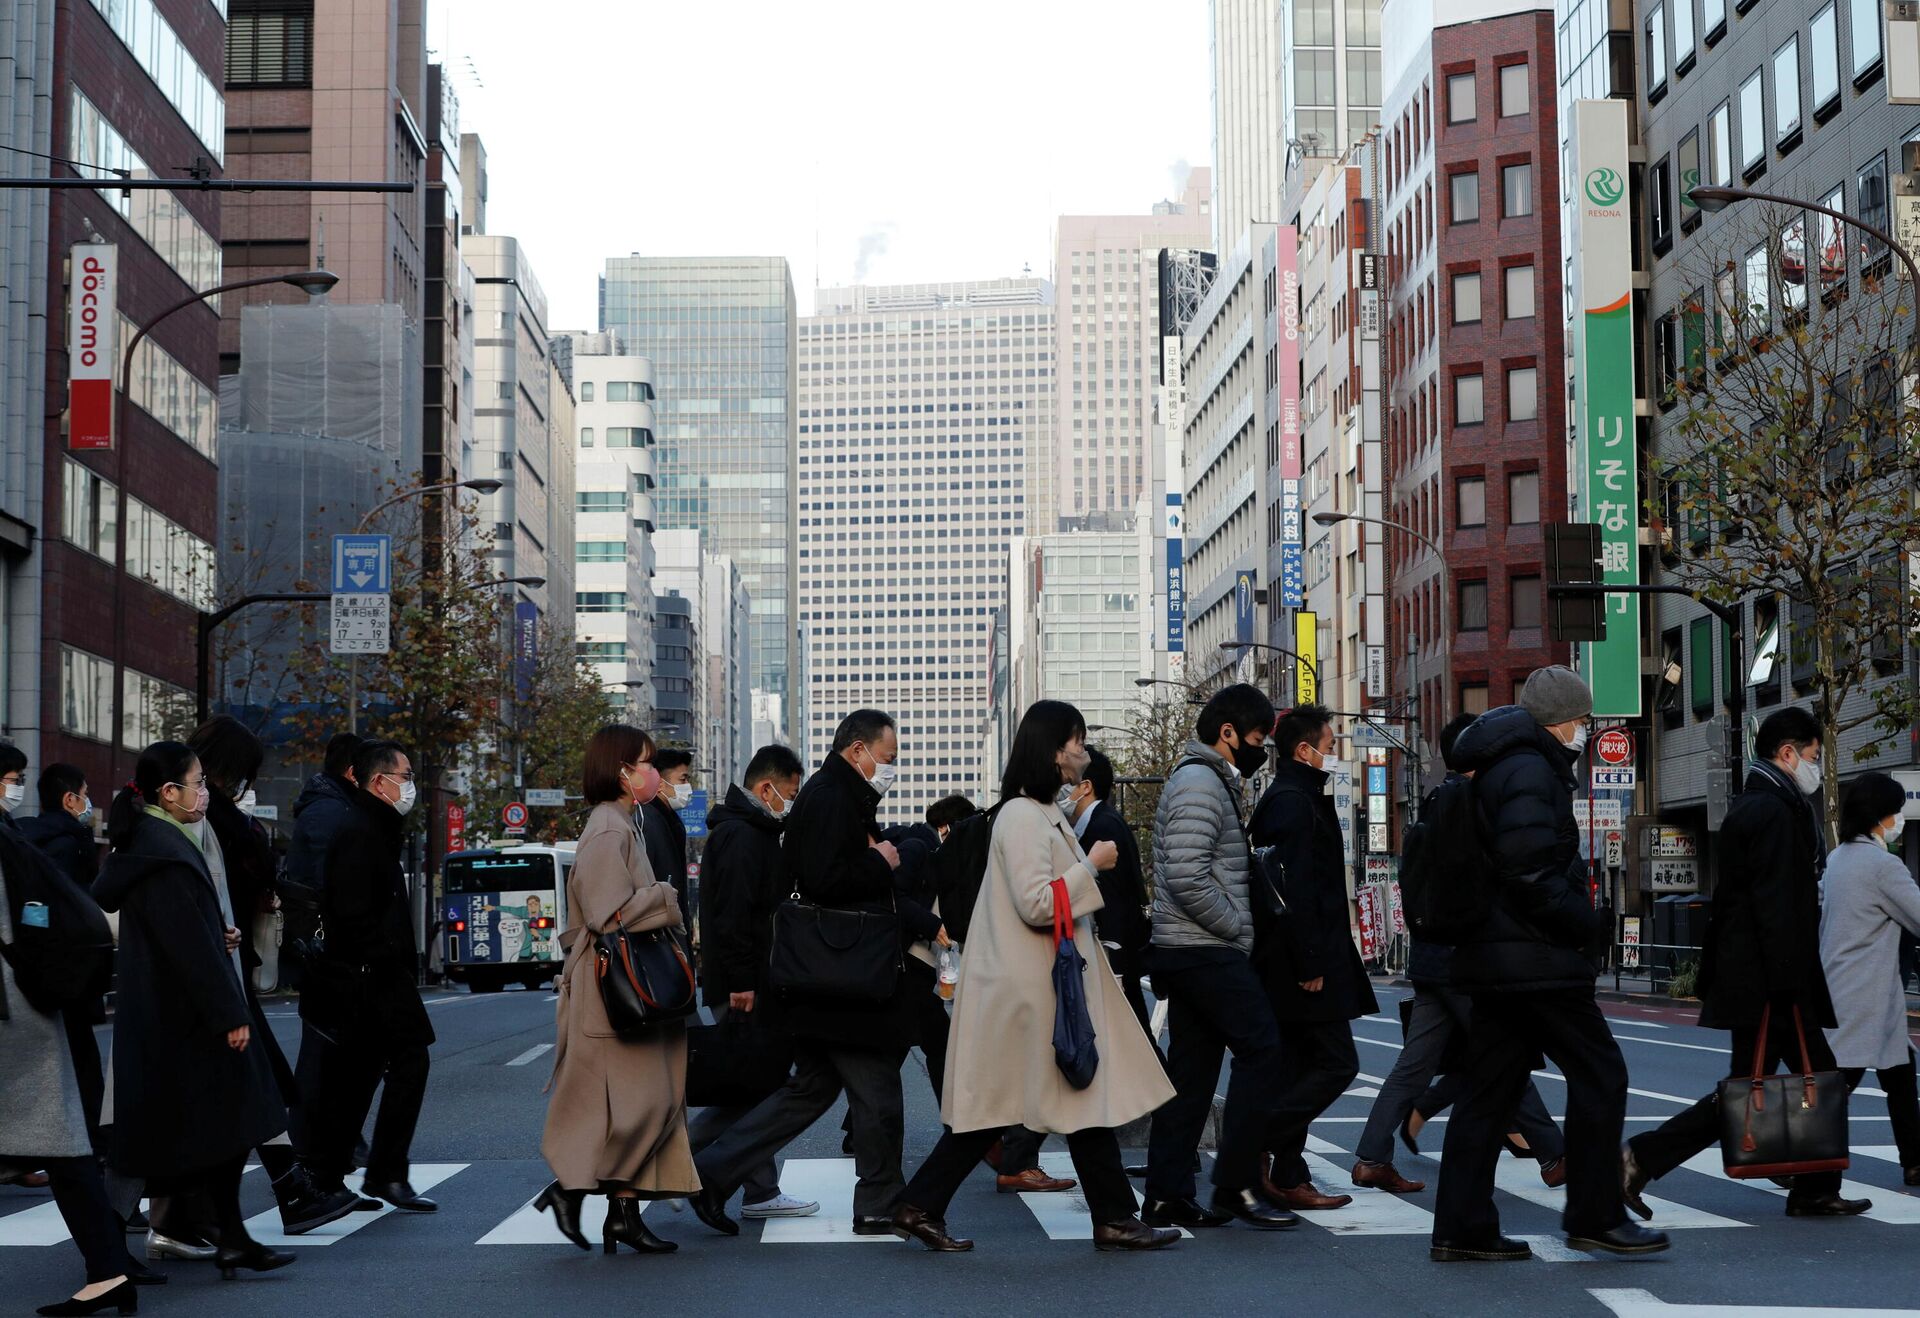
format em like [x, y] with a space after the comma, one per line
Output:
[187, 787]
[406, 777]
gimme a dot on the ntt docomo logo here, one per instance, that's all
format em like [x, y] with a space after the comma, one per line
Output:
[91, 297]
[91, 316]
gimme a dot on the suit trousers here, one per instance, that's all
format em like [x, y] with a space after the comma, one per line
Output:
[1096, 1158]
[354, 1069]
[1216, 1004]
[1697, 1129]
[707, 1124]
[1319, 1061]
[80, 1193]
[1903, 1104]
[86, 1072]
[1438, 1016]
[1509, 1032]
[871, 1079]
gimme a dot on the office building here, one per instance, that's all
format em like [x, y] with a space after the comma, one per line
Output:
[716, 717]
[920, 408]
[1106, 346]
[446, 431]
[720, 334]
[1082, 635]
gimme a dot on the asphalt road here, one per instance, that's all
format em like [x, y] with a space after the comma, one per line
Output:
[1734, 1250]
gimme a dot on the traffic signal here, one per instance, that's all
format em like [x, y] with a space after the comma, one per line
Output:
[1573, 558]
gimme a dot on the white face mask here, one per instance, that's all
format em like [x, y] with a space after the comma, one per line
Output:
[1064, 799]
[86, 815]
[248, 800]
[1806, 775]
[785, 804]
[408, 795]
[1332, 768]
[1579, 742]
[883, 775]
[15, 794]
[679, 795]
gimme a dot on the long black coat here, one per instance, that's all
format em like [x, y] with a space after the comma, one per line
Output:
[1315, 938]
[1122, 920]
[66, 842]
[830, 856]
[322, 808]
[666, 837]
[1542, 920]
[363, 988]
[182, 1099]
[743, 876]
[251, 876]
[1763, 939]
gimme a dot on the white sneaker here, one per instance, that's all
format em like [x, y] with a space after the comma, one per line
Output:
[781, 1205]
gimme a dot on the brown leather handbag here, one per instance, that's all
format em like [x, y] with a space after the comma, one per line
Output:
[646, 979]
[1783, 1125]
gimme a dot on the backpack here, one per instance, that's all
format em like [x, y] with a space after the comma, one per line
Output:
[960, 867]
[1447, 869]
[62, 948]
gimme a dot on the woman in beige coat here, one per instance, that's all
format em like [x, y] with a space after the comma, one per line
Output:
[617, 1121]
[1000, 1060]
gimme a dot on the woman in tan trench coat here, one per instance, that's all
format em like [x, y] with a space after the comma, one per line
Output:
[1000, 1063]
[617, 1121]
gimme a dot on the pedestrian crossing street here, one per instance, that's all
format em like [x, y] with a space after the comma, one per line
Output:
[1063, 1217]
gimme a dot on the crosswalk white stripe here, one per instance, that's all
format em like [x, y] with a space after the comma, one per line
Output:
[1888, 1205]
[1372, 1212]
[829, 1182]
[530, 1226]
[265, 1227]
[1637, 1303]
[530, 1054]
[39, 1225]
[1522, 1181]
[1554, 1249]
[1062, 1214]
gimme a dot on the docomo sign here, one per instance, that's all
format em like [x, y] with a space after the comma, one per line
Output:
[90, 331]
[1614, 747]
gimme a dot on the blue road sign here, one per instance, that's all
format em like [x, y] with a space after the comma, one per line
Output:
[362, 564]
[694, 813]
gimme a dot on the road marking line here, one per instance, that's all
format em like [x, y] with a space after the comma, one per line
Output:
[1361, 1091]
[39, 1225]
[531, 1053]
[1554, 1249]
[1669, 1043]
[1062, 1214]
[529, 1226]
[1637, 1303]
[1889, 1205]
[829, 1182]
[265, 1227]
[1372, 1212]
[1522, 1181]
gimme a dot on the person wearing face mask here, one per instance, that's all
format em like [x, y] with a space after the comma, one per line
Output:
[1122, 921]
[1762, 949]
[192, 1088]
[743, 877]
[361, 993]
[659, 820]
[1200, 955]
[1307, 959]
[1868, 900]
[1528, 972]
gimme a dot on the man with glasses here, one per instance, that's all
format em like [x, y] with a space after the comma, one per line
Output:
[361, 993]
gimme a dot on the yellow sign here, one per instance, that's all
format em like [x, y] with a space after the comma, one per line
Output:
[1306, 649]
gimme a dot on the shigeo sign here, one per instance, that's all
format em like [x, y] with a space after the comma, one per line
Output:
[1608, 468]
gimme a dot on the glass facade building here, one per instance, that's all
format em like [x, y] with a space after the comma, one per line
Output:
[720, 333]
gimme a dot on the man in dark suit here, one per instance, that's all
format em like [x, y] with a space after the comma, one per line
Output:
[1123, 922]
[1762, 950]
[659, 822]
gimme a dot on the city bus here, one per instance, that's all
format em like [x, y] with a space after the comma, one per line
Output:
[501, 915]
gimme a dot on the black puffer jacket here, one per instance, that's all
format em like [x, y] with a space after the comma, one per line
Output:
[743, 878]
[1542, 918]
[1314, 940]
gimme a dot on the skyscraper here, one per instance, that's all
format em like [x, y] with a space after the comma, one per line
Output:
[720, 333]
[920, 406]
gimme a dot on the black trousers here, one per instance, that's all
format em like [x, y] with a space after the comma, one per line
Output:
[353, 1070]
[81, 1195]
[1096, 1158]
[1660, 1150]
[1903, 1104]
[217, 1188]
[710, 1123]
[1214, 1006]
[309, 1073]
[86, 1070]
[1319, 1061]
[1508, 1034]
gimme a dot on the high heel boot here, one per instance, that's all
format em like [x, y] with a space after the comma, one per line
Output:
[565, 1207]
[626, 1226]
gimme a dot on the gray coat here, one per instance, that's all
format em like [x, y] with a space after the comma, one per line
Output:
[40, 1112]
[1867, 897]
[1200, 859]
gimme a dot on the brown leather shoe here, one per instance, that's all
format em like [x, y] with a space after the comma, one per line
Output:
[992, 1156]
[910, 1223]
[1132, 1233]
[1305, 1197]
[1031, 1181]
[1554, 1173]
[1383, 1176]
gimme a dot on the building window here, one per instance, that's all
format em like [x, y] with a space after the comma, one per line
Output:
[1714, 14]
[600, 501]
[1516, 89]
[1473, 606]
[1786, 92]
[586, 391]
[1666, 358]
[1700, 665]
[1823, 53]
[1865, 30]
[1460, 109]
[600, 551]
[1682, 37]
[152, 707]
[600, 652]
[1687, 166]
[1833, 243]
[1466, 299]
[1464, 192]
[270, 43]
[1524, 602]
[1656, 32]
[1793, 264]
[1519, 292]
[1523, 394]
[1516, 190]
[586, 436]
[1872, 183]
[1758, 292]
[86, 694]
[1659, 203]
[89, 508]
[1720, 145]
[1470, 502]
[1753, 124]
[1473, 697]
[1523, 498]
[1469, 408]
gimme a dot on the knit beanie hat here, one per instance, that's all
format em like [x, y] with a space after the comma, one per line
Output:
[1556, 694]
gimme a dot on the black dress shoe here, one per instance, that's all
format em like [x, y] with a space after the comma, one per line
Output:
[1910, 1175]
[121, 1299]
[565, 1207]
[1498, 1249]
[1253, 1208]
[1137, 1171]
[626, 1227]
[873, 1226]
[1825, 1205]
[403, 1196]
[1131, 1234]
[1627, 1238]
[1632, 1182]
[140, 1274]
[314, 1207]
[910, 1223]
[1189, 1213]
[253, 1256]
[713, 1212]
[137, 1224]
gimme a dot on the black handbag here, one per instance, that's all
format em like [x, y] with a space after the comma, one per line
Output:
[736, 1062]
[1074, 1050]
[825, 952]
[1783, 1125]
[646, 979]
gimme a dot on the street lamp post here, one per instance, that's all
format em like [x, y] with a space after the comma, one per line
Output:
[1446, 587]
[203, 640]
[313, 283]
[1312, 667]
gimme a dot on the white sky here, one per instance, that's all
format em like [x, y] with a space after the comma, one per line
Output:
[940, 140]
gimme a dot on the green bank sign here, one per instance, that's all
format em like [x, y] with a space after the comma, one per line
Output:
[1607, 462]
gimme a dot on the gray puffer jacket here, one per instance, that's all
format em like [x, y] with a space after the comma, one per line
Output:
[1200, 859]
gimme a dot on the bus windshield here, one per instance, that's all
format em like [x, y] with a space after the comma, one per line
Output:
[501, 873]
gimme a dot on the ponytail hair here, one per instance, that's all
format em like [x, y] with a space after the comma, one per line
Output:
[159, 764]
